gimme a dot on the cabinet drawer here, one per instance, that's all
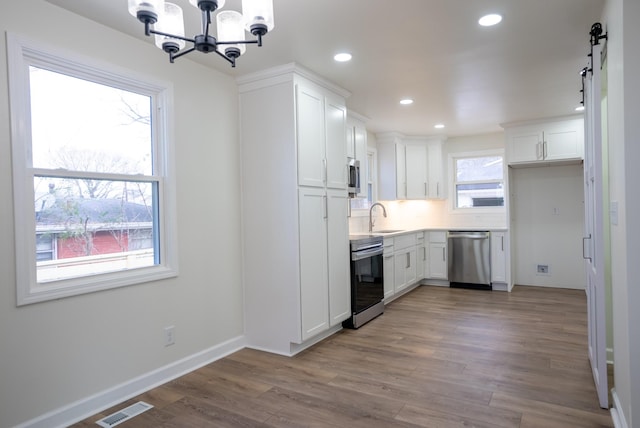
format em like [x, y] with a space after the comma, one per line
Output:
[438, 236]
[404, 241]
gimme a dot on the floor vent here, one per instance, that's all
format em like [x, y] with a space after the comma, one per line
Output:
[124, 414]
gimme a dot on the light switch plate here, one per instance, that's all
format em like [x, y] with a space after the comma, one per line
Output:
[613, 212]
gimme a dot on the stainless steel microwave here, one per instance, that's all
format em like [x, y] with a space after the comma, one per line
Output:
[353, 185]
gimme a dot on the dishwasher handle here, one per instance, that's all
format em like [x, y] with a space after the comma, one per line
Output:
[483, 235]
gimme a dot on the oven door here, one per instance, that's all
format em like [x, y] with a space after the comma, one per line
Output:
[367, 287]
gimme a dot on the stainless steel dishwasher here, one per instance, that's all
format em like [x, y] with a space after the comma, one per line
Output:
[469, 259]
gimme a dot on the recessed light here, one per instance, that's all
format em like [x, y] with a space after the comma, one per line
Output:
[489, 20]
[439, 126]
[406, 101]
[580, 108]
[342, 57]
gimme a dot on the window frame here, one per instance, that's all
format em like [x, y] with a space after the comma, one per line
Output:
[453, 209]
[23, 53]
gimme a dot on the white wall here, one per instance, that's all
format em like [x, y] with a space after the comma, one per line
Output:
[54, 353]
[620, 21]
[547, 223]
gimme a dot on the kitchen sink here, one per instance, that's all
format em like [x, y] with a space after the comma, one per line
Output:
[387, 231]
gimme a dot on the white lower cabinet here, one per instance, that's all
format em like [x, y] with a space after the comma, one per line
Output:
[421, 256]
[338, 257]
[404, 261]
[500, 271]
[404, 269]
[437, 258]
[388, 269]
[314, 271]
[324, 255]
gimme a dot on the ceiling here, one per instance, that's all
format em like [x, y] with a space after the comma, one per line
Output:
[468, 77]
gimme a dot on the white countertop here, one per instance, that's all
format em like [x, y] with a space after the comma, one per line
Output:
[356, 235]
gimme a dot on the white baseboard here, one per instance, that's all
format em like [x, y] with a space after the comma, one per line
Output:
[617, 414]
[86, 407]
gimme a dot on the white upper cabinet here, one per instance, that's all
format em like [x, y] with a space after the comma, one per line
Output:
[416, 170]
[545, 142]
[335, 117]
[409, 168]
[320, 125]
[311, 137]
[435, 177]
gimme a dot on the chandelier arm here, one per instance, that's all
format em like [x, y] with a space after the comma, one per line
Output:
[231, 61]
[173, 56]
[239, 42]
[173, 36]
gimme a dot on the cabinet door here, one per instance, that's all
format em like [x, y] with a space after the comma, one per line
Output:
[421, 261]
[562, 141]
[335, 116]
[405, 269]
[400, 263]
[360, 137]
[339, 256]
[401, 171]
[311, 137]
[525, 145]
[351, 147]
[314, 293]
[411, 273]
[389, 276]
[435, 177]
[416, 171]
[498, 257]
[438, 261]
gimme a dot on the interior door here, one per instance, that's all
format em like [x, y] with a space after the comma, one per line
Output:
[593, 242]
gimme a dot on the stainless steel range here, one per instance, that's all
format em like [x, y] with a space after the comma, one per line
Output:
[367, 286]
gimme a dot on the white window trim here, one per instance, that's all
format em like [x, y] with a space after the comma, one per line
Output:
[451, 206]
[21, 54]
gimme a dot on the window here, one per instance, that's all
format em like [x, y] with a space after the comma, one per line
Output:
[478, 181]
[91, 176]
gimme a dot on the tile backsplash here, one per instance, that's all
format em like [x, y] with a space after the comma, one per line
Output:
[407, 215]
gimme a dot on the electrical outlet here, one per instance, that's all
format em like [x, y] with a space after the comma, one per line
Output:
[543, 269]
[169, 335]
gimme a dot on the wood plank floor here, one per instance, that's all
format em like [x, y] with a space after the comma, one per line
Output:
[438, 357]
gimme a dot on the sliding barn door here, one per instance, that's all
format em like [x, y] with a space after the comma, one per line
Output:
[593, 242]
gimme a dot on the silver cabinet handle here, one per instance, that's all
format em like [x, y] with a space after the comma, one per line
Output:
[438, 189]
[425, 189]
[408, 261]
[326, 208]
[502, 239]
[424, 253]
[544, 150]
[584, 256]
[324, 171]
[443, 256]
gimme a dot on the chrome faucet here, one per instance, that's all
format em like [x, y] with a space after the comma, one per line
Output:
[384, 213]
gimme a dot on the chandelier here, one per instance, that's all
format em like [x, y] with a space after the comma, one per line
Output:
[168, 27]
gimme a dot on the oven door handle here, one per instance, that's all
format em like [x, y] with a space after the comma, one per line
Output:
[359, 255]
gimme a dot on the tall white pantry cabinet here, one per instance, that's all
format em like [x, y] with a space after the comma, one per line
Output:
[294, 207]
